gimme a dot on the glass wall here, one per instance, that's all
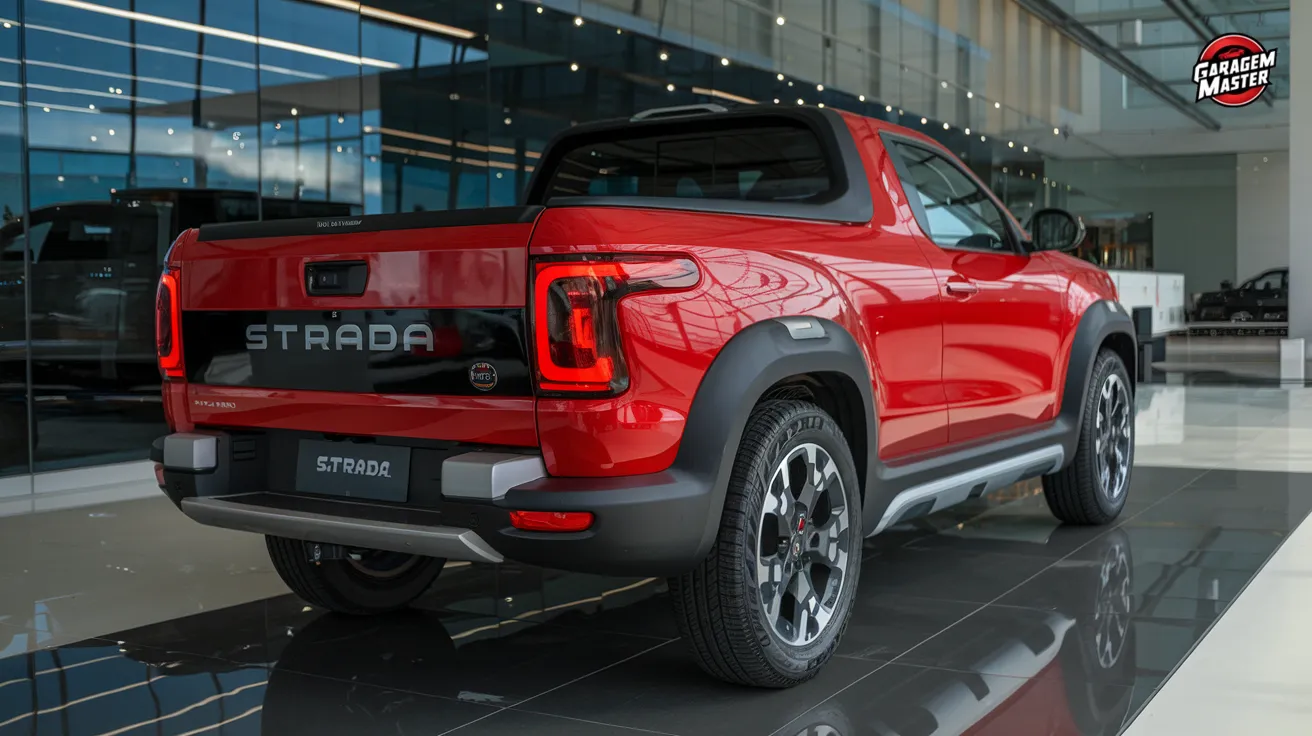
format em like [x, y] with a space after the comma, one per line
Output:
[123, 122]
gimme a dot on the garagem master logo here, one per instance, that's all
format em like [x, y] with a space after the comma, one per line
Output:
[1234, 70]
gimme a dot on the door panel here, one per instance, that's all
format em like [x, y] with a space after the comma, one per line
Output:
[1000, 341]
[1002, 308]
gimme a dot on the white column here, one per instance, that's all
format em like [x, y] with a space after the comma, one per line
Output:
[1298, 55]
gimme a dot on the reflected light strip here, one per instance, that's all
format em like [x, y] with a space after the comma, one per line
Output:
[132, 77]
[224, 722]
[552, 609]
[447, 142]
[405, 20]
[172, 52]
[71, 703]
[188, 709]
[722, 95]
[65, 108]
[224, 33]
[92, 93]
[461, 160]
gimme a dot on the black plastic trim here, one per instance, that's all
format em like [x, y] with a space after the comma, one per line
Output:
[369, 223]
[849, 203]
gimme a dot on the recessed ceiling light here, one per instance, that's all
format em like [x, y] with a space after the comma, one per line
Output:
[724, 61]
[780, 20]
[578, 21]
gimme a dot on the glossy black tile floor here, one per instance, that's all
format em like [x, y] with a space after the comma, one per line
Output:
[986, 619]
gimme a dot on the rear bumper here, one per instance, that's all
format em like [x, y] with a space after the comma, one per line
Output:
[644, 525]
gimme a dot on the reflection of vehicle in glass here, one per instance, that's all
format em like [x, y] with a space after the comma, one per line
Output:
[1263, 298]
[710, 348]
[94, 270]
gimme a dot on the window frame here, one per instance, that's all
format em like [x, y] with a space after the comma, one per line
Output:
[1017, 243]
[849, 200]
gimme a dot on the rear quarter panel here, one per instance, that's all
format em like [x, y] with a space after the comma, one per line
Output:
[751, 270]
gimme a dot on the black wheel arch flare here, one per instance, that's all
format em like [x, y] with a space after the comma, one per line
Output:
[752, 361]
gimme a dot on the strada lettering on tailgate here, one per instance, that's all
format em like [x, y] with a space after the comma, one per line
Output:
[382, 338]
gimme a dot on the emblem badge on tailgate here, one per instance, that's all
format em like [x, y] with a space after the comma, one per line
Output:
[483, 376]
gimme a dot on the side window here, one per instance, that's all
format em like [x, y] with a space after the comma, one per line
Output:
[957, 212]
[1268, 281]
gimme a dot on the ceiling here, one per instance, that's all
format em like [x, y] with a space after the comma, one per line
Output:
[1173, 31]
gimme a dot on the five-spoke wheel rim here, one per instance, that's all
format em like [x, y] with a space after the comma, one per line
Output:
[1113, 435]
[1111, 617]
[805, 537]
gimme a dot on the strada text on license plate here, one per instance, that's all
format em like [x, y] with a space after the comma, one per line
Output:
[353, 470]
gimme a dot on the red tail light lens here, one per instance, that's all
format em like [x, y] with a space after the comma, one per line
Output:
[551, 521]
[576, 317]
[168, 326]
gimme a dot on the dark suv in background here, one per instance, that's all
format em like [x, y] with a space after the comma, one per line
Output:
[1263, 298]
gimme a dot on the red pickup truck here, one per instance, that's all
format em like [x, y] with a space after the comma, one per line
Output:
[717, 346]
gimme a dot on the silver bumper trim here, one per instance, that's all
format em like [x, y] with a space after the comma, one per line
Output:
[486, 476]
[430, 541]
[192, 451]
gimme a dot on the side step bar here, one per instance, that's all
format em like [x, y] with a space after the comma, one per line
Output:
[448, 542]
[939, 494]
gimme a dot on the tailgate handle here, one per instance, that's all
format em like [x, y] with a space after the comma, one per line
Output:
[336, 278]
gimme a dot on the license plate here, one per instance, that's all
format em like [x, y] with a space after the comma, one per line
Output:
[353, 470]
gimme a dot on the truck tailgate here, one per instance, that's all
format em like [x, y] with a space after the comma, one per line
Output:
[399, 325]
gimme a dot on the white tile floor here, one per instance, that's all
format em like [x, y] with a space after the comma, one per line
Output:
[1222, 427]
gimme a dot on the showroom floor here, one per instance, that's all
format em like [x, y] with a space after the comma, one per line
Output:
[990, 618]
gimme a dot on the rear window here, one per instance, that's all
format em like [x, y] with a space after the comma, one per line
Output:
[775, 163]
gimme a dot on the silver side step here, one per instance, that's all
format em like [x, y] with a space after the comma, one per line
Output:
[430, 541]
[954, 489]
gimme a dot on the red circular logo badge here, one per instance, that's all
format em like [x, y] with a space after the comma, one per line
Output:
[1234, 70]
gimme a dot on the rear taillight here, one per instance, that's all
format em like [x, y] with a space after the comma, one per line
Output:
[576, 335]
[168, 326]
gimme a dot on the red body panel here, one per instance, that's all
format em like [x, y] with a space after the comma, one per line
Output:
[944, 369]
[482, 266]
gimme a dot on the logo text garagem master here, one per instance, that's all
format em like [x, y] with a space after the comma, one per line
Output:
[1234, 70]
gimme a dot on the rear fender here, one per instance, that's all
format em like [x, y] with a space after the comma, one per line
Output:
[749, 364]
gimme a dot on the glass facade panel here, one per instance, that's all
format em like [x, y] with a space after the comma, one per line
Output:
[123, 122]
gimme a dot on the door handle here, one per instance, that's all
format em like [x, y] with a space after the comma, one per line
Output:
[962, 288]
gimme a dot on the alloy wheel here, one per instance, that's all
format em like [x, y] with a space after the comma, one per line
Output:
[805, 539]
[1113, 435]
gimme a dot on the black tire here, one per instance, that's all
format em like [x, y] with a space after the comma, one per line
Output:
[1078, 494]
[719, 605]
[346, 587]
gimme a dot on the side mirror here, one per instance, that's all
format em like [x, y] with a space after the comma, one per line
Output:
[1054, 229]
[1227, 284]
